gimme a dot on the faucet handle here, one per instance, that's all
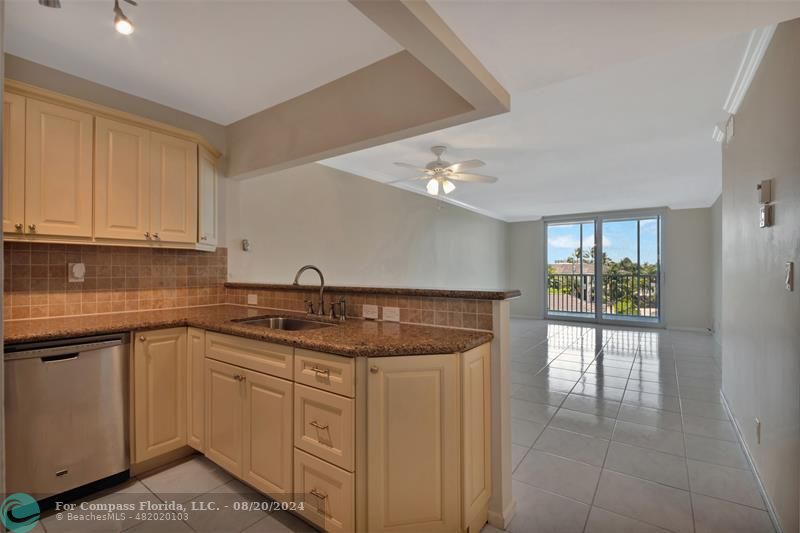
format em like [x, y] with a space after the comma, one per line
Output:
[342, 309]
[309, 305]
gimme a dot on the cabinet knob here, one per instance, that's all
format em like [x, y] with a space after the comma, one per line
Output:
[373, 369]
[32, 227]
[318, 494]
[18, 227]
[142, 338]
[147, 235]
[204, 237]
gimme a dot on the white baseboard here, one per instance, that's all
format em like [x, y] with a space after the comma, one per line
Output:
[687, 328]
[528, 317]
[776, 523]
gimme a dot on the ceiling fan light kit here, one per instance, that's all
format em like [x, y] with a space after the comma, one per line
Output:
[122, 24]
[441, 174]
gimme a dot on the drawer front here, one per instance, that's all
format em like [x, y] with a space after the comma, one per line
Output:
[265, 357]
[326, 492]
[323, 425]
[332, 373]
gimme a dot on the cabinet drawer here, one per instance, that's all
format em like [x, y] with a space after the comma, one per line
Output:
[333, 373]
[265, 357]
[323, 425]
[327, 493]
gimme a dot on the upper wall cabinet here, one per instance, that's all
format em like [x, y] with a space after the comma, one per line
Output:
[58, 170]
[75, 171]
[13, 163]
[208, 201]
[173, 189]
[121, 181]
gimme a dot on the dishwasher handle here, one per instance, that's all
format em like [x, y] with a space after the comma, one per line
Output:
[70, 350]
[60, 358]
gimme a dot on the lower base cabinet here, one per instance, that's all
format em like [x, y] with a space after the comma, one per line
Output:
[383, 444]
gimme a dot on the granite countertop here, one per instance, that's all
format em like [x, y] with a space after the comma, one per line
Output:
[354, 338]
[471, 294]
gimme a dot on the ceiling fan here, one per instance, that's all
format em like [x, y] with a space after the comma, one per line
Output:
[442, 174]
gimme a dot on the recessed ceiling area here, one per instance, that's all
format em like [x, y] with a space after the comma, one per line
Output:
[612, 106]
[219, 60]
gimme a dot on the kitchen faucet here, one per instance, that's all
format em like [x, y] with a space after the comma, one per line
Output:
[321, 309]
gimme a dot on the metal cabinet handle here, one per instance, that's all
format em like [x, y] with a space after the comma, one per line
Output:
[147, 235]
[155, 236]
[373, 369]
[204, 237]
[318, 494]
[18, 227]
[32, 227]
[320, 371]
[317, 425]
[239, 377]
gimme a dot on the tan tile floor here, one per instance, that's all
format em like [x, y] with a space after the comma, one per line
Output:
[614, 430]
[622, 430]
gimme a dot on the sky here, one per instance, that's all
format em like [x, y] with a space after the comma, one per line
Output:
[619, 240]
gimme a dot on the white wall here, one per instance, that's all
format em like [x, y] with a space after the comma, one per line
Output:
[686, 250]
[526, 267]
[760, 318]
[716, 268]
[358, 232]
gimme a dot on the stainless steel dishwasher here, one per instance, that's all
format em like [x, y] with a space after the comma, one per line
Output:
[66, 413]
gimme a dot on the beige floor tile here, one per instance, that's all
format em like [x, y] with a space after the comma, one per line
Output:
[704, 409]
[517, 453]
[592, 406]
[649, 502]
[532, 411]
[558, 475]
[280, 522]
[652, 387]
[601, 369]
[596, 391]
[544, 512]
[592, 425]
[525, 432]
[649, 437]
[604, 381]
[720, 452]
[732, 484]
[226, 517]
[583, 448]
[537, 394]
[187, 480]
[653, 401]
[717, 516]
[648, 464]
[709, 427]
[647, 416]
[602, 521]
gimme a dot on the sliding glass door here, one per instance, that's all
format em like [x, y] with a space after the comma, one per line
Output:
[604, 268]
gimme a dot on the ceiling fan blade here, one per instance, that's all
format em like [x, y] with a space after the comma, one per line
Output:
[466, 165]
[408, 179]
[406, 165]
[131, 2]
[478, 178]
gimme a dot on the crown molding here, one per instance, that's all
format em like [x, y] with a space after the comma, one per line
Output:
[757, 46]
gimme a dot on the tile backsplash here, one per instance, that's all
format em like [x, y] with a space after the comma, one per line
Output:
[117, 279]
[140, 279]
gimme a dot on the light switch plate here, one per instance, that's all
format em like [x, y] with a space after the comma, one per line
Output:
[789, 275]
[77, 272]
[391, 314]
[252, 299]
[370, 312]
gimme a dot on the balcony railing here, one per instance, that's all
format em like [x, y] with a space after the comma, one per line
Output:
[631, 295]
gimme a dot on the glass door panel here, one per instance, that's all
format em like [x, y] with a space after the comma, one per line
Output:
[571, 286]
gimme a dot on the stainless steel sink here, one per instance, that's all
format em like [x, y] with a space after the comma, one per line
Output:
[282, 322]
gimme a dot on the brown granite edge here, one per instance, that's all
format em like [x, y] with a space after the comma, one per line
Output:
[477, 294]
[421, 347]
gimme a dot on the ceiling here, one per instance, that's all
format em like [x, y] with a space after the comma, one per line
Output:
[613, 105]
[219, 60]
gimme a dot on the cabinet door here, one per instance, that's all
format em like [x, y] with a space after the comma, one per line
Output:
[159, 392]
[224, 402]
[413, 443]
[268, 434]
[13, 163]
[122, 180]
[58, 170]
[207, 217]
[195, 376]
[173, 189]
[476, 431]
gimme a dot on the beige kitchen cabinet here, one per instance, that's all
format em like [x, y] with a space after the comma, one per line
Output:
[121, 181]
[58, 170]
[224, 425]
[195, 385]
[413, 443]
[208, 201]
[159, 392]
[173, 189]
[13, 163]
[267, 434]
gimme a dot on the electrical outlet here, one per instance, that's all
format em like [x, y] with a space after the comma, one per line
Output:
[758, 431]
[370, 312]
[252, 299]
[77, 272]
[789, 275]
[391, 314]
